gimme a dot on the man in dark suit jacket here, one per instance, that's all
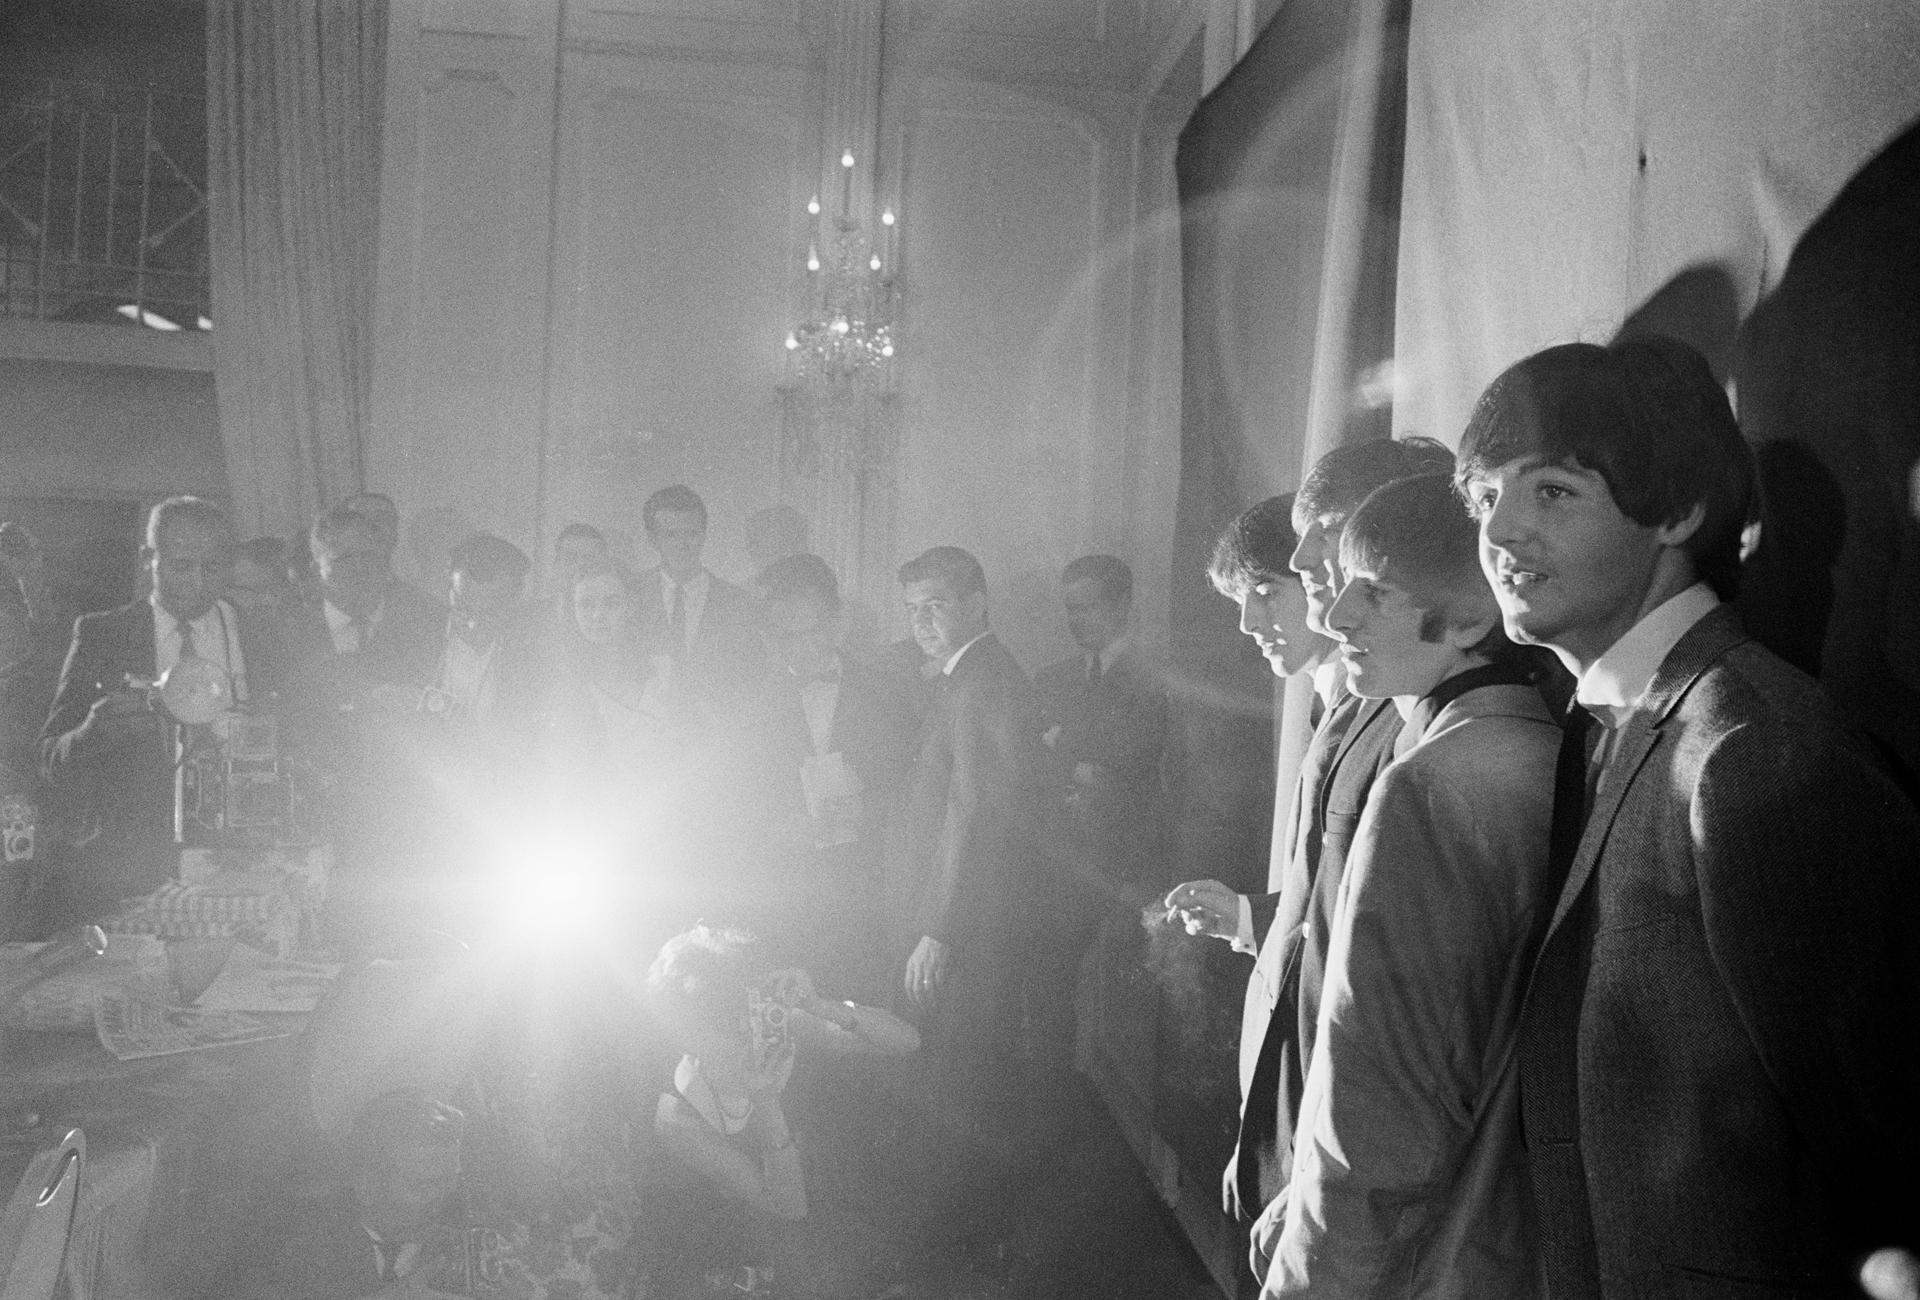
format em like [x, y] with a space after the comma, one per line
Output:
[830, 737]
[961, 843]
[106, 753]
[1718, 1046]
[1279, 561]
[707, 623]
[1102, 808]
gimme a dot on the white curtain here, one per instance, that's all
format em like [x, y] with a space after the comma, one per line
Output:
[1568, 164]
[293, 152]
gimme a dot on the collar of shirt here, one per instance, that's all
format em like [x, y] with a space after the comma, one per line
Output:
[209, 632]
[1328, 678]
[1613, 684]
[948, 670]
[695, 587]
[338, 620]
[1115, 648]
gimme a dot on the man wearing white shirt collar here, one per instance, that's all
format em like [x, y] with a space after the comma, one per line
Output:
[960, 848]
[104, 751]
[708, 623]
[1716, 1064]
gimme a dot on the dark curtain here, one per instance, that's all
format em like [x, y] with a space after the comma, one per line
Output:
[1289, 176]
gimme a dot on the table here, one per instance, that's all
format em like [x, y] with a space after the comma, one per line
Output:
[178, 1149]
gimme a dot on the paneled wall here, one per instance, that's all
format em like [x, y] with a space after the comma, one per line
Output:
[591, 240]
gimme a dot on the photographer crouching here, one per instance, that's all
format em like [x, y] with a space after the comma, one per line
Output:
[739, 1181]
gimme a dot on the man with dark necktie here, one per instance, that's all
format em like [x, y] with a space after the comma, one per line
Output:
[1718, 1046]
[704, 621]
[1291, 930]
[108, 756]
[1102, 808]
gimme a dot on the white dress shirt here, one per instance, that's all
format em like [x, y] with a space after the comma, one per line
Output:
[820, 698]
[951, 663]
[694, 595]
[1613, 685]
[216, 639]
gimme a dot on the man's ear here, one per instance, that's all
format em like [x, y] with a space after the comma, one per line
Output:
[1465, 636]
[1677, 532]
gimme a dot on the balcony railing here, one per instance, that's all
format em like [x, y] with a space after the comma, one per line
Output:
[103, 204]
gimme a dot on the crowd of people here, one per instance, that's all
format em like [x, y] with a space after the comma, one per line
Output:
[1591, 971]
[650, 760]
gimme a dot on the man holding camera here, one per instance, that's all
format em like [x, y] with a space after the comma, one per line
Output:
[107, 752]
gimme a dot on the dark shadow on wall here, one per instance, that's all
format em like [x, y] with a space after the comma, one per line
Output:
[1700, 307]
[1827, 371]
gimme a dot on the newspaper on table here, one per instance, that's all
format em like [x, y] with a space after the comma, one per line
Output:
[132, 1027]
[253, 981]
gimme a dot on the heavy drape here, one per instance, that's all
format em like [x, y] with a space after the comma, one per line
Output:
[293, 149]
[1289, 184]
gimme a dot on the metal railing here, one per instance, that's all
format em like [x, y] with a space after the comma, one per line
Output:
[103, 204]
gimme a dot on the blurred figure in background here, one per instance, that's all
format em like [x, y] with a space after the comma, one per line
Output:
[701, 619]
[108, 756]
[828, 739]
[577, 546]
[1102, 826]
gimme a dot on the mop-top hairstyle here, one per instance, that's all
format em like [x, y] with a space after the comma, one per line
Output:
[1416, 534]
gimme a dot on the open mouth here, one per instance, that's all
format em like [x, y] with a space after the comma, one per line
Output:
[1520, 581]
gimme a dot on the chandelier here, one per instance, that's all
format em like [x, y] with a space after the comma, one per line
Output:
[839, 397]
[849, 338]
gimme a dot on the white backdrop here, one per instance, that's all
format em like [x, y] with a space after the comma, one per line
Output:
[1567, 161]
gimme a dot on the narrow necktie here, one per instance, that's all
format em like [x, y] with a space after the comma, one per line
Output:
[677, 617]
[187, 650]
[1572, 796]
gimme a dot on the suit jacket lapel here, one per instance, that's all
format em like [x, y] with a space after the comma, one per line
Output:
[1703, 644]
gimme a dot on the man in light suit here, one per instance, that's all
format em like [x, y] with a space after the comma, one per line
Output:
[107, 755]
[961, 842]
[708, 624]
[1718, 1047]
[1271, 559]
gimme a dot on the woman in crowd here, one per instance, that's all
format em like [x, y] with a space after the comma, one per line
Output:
[622, 704]
[737, 1183]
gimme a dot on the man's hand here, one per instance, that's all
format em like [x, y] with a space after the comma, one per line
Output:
[117, 716]
[1205, 907]
[1265, 1237]
[926, 971]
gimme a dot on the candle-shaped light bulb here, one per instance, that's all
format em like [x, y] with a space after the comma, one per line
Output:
[886, 218]
[886, 349]
[792, 342]
[873, 263]
[813, 258]
[846, 159]
[813, 206]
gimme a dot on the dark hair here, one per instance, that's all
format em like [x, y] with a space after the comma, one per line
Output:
[1341, 479]
[1109, 571]
[1415, 533]
[1646, 415]
[487, 558]
[802, 577]
[185, 510]
[406, 1119]
[679, 498]
[600, 566]
[576, 529]
[1255, 547]
[708, 969]
[957, 568]
[333, 524]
